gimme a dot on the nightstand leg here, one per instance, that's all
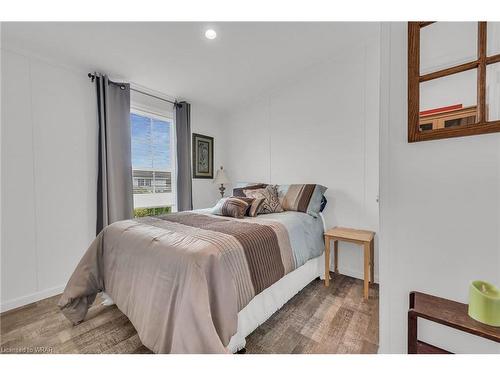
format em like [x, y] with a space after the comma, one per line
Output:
[336, 256]
[327, 261]
[412, 333]
[372, 261]
[367, 268]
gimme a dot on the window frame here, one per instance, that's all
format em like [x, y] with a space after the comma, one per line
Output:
[415, 79]
[144, 111]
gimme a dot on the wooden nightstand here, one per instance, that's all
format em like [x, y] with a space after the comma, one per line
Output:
[446, 312]
[360, 237]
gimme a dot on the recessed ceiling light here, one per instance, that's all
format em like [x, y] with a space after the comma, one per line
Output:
[210, 34]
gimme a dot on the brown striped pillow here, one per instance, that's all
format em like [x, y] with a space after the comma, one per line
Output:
[232, 207]
[301, 197]
[253, 205]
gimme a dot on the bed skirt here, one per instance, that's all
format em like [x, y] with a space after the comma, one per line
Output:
[270, 300]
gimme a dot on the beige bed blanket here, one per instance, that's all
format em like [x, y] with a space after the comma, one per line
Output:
[182, 278]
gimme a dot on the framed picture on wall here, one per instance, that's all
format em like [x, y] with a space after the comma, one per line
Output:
[203, 156]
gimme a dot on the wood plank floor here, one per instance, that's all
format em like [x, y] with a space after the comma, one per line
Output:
[317, 320]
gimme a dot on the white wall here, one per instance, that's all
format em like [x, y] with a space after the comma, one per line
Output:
[439, 213]
[49, 172]
[49, 148]
[206, 121]
[319, 127]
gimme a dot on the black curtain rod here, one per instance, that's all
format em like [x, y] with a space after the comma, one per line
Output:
[175, 103]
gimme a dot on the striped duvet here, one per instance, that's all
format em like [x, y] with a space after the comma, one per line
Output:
[182, 278]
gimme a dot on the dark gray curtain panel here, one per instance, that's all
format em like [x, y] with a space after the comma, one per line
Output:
[114, 179]
[183, 132]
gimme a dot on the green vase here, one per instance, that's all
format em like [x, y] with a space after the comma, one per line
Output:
[484, 303]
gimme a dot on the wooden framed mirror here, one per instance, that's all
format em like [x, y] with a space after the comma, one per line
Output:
[453, 79]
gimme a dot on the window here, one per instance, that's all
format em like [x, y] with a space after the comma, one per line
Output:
[453, 79]
[153, 163]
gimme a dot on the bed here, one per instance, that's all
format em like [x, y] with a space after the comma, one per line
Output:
[193, 282]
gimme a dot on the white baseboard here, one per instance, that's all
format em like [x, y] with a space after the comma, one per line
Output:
[357, 274]
[30, 298]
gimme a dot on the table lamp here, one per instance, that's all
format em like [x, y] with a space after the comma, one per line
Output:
[221, 178]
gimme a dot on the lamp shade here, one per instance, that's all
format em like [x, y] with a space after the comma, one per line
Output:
[220, 177]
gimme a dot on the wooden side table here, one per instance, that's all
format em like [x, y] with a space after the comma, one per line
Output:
[357, 236]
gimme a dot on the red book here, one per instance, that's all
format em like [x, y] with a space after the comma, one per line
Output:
[441, 109]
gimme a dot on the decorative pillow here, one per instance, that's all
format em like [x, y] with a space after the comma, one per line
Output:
[233, 207]
[238, 191]
[254, 209]
[302, 198]
[271, 203]
[253, 205]
[324, 201]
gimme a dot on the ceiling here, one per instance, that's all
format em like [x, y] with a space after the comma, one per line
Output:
[175, 58]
